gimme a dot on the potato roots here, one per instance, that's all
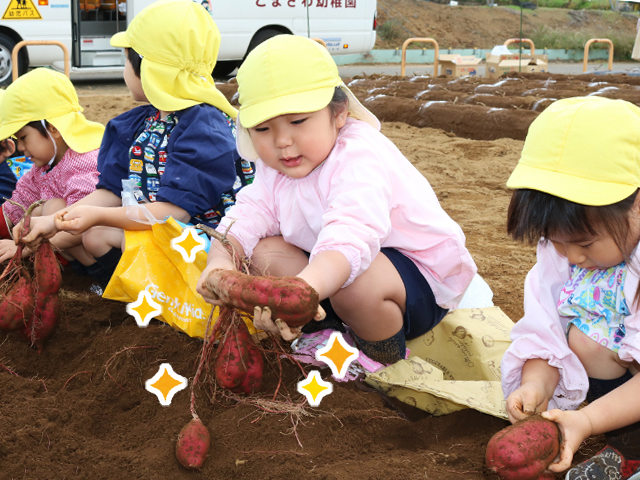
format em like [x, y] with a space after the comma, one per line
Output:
[524, 450]
[289, 298]
[239, 363]
[192, 447]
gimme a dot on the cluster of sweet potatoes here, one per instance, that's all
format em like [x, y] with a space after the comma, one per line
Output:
[238, 364]
[29, 301]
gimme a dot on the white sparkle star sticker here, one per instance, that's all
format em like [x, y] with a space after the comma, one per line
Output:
[144, 308]
[188, 244]
[165, 384]
[314, 388]
[338, 354]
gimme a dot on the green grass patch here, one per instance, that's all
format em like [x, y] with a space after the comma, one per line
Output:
[544, 37]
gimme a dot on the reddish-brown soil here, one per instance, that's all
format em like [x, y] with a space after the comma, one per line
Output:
[65, 415]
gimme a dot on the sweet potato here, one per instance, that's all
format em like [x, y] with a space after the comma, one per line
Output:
[48, 276]
[253, 377]
[289, 298]
[16, 293]
[47, 281]
[524, 450]
[239, 363]
[43, 321]
[232, 360]
[17, 303]
[192, 447]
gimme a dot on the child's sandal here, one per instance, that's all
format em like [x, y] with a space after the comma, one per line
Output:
[607, 464]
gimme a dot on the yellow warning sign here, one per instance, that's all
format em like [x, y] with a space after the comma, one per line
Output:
[21, 10]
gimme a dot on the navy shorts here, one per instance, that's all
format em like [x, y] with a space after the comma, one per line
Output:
[422, 313]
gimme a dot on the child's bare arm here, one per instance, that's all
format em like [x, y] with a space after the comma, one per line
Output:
[327, 272]
[82, 217]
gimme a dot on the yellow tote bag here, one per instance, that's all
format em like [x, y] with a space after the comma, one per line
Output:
[149, 262]
[454, 366]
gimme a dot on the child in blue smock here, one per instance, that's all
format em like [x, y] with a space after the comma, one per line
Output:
[178, 153]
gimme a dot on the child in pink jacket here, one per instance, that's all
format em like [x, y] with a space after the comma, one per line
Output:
[336, 203]
[577, 194]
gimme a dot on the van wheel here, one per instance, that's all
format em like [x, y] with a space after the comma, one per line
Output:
[6, 47]
[224, 68]
[260, 37]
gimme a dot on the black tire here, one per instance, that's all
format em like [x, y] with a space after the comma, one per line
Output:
[261, 36]
[6, 47]
[224, 68]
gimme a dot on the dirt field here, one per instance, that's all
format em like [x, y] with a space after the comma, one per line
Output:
[65, 415]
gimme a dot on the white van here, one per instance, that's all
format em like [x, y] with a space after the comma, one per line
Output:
[85, 27]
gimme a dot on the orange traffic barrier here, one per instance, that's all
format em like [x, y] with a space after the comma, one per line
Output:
[19, 45]
[522, 40]
[586, 51]
[423, 40]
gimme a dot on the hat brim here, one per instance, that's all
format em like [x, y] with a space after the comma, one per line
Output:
[120, 40]
[80, 134]
[577, 190]
[243, 140]
[9, 129]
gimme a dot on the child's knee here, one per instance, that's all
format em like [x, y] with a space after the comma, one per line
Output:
[99, 240]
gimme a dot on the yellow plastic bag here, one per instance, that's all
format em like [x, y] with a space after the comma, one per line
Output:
[454, 366]
[150, 263]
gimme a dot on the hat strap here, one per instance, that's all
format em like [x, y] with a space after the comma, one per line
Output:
[55, 145]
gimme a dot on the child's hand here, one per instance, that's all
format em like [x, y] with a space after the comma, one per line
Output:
[575, 427]
[530, 398]
[8, 250]
[207, 278]
[262, 321]
[41, 227]
[77, 220]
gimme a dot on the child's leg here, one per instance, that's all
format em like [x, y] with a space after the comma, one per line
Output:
[105, 245]
[386, 305]
[52, 206]
[599, 361]
[273, 256]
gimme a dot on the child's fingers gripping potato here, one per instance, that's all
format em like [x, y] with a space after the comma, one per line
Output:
[526, 400]
[575, 427]
[262, 321]
[41, 227]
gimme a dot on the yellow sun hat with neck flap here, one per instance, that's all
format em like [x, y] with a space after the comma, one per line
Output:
[288, 74]
[583, 149]
[44, 94]
[179, 43]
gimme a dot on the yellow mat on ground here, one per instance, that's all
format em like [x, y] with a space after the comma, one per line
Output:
[454, 366]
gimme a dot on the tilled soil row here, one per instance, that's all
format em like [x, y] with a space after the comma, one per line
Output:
[474, 107]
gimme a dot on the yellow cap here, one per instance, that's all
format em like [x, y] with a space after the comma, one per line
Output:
[583, 149]
[179, 43]
[44, 94]
[288, 74]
